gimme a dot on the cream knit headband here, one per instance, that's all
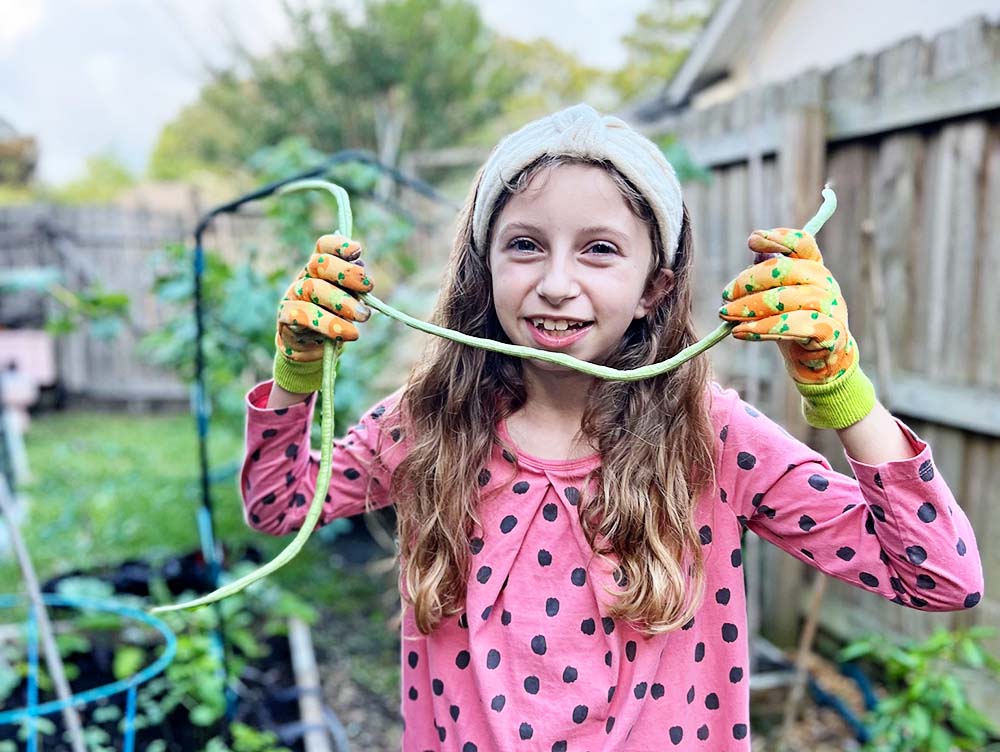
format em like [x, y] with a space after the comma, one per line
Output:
[580, 131]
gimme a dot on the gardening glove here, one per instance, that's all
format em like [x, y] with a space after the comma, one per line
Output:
[793, 299]
[319, 305]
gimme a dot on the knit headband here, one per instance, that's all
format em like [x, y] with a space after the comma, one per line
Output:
[580, 131]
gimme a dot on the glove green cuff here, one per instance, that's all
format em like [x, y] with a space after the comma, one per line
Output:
[298, 377]
[840, 403]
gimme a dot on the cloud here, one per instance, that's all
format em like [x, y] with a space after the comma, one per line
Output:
[20, 17]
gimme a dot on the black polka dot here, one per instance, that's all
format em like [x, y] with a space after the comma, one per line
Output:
[521, 487]
[569, 674]
[739, 731]
[916, 554]
[927, 512]
[926, 470]
[869, 579]
[819, 482]
[745, 460]
[526, 731]
[438, 686]
[351, 474]
[550, 512]
[538, 645]
[508, 523]
[509, 456]
[846, 553]
[736, 557]
[808, 554]
[609, 724]
[729, 632]
[559, 746]
[453, 711]
[281, 411]
[878, 480]
[463, 621]
[926, 582]
[469, 747]
[849, 507]
[735, 674]
[462, 659]
[722, 596]
[269, 499]
[544, 557]
[531, 685]
[269, 433]
[676, 734]
[588, 627]
[378, 412]
[757, 499]
[505, 617]
[483, 575]
[412, 659]
[870, 524]
[878, 511]
[705, 533]
[498, 702]
[918, 602]
[703, 732]
[484, 477]
[292, 451]
[806, 523]
[960, 547]
[289, 478]
[688, 624]
[413, 693]
[299, 500]
[712, 701]
[578, 577]
[476, 544]
[640, 690]
[608, 624]
[255, 519]
[767, 511]
[690, 695]
[699, 652]
[572, 495]
[256, 454]
[552, 606]
[607, 659]
[580, 713]
[971, 600]
[630, 650]
[396, 434]
[493, 658]
[657, 691]
[723, 496]
[897, 584]
[724, 432]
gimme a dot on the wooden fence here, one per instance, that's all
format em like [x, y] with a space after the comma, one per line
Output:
[910, 139]
[116, 248]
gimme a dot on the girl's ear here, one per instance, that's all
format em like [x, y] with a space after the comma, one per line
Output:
[658, 287]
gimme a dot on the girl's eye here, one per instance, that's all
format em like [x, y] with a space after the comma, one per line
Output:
[603, 249]
[521, 244]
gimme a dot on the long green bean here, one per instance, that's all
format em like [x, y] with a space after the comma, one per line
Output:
[331, 351]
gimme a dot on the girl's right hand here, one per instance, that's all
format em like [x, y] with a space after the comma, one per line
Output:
[319, 305]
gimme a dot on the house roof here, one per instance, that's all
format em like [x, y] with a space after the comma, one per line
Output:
[725, 39]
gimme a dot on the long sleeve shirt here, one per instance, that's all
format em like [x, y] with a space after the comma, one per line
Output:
[535, 662]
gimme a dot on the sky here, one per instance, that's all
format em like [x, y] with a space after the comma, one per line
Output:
[97, 76]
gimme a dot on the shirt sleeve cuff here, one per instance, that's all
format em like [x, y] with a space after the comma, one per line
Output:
[256, 401]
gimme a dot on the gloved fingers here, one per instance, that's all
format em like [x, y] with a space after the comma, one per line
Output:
[816, 350]
[298, 344]
[336, 270]
[334, 299]
[792, 243]
[781, 300]
[780, 271]
[818, 366]
[339, 246]
[307, 315]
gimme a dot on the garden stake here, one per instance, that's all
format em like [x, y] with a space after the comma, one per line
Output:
[331, 352]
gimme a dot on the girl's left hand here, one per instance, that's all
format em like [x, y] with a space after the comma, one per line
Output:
[794, 300]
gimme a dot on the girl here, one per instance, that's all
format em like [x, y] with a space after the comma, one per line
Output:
[570, 547]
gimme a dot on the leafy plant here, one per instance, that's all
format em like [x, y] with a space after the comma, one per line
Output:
[927, 709]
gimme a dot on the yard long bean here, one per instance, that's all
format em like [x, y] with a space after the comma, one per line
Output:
[331, 352]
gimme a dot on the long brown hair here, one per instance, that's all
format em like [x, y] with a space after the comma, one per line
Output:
[654, 436]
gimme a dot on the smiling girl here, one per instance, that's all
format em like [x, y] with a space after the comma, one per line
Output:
[570, 548]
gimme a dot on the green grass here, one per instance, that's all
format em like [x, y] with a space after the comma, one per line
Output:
[108, 487]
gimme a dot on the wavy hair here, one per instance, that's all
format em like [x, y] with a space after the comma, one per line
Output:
[654, 436]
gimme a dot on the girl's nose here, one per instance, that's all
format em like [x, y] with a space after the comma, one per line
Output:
[558, 282]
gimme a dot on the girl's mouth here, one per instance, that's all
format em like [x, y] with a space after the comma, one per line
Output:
[557, 333]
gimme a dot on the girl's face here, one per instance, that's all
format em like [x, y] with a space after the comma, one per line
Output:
[569, 263]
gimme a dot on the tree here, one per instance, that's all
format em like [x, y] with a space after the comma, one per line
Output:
[658, 43]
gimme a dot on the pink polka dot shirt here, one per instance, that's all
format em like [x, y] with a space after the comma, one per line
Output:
[534, 662]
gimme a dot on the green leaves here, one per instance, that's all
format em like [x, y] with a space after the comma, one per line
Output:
[927, 709]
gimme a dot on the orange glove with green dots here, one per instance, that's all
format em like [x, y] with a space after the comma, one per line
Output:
[792, 298]
[317, 306]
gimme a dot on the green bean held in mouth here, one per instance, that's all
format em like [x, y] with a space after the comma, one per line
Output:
[331, 352]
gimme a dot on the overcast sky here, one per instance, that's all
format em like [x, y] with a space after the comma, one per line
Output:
[92, 76]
